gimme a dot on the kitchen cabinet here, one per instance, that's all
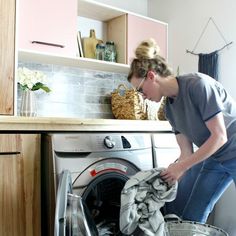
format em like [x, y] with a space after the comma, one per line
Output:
[126, 29]
[124, 32]
[117, 25]
[48, 26]
[147, 28]
[20, 185]
[7, 57]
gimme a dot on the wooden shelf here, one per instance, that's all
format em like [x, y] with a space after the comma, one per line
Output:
[86, 63]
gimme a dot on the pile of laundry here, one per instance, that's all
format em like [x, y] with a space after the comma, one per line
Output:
[141, 200]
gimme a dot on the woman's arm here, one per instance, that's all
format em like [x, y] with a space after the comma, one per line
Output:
[217, 138]
[186, 147]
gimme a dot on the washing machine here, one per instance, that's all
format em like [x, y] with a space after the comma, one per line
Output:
[165, 149]
[82, 178]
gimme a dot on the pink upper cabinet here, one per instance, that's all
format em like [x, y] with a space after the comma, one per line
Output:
[141, 28]
[48, 26]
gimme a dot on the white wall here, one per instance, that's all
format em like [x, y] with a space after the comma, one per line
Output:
[136, 6]
[186, 19]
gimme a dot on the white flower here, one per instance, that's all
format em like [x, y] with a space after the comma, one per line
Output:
[32, 80]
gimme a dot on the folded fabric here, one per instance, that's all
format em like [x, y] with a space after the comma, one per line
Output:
[141, 199]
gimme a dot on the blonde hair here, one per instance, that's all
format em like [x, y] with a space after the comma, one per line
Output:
[148, 58]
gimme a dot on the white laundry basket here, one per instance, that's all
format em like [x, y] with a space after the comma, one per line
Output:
[179, 227]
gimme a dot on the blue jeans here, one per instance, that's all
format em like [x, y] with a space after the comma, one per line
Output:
[200, 188]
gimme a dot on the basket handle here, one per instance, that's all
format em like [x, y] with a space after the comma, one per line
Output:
[172, 217]
[122, 85]
[118, 90]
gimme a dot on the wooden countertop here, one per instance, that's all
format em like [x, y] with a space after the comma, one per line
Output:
[18, 123]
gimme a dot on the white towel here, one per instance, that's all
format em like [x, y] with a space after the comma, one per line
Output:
[141, 199]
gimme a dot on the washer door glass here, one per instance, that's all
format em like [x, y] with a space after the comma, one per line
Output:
[78, 219]
[71, 216]
[100, 185]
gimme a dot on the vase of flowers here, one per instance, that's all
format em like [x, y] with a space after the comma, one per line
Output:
[30, 81]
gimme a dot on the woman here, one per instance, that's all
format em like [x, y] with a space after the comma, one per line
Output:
[201, 112]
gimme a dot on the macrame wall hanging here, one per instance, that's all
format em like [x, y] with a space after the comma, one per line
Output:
[208, 63]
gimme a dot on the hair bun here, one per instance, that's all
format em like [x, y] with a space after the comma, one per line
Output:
[147, 49]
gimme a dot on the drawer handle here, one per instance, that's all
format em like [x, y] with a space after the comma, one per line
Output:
[2, 154]
[49, 44]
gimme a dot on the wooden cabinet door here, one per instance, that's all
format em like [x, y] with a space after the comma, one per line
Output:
[20, 185]
[48, 26]
[7, 56]
[117, 32]
[141, 28]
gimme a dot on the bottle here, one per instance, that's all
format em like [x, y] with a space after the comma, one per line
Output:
[100, 51]
[110, 51]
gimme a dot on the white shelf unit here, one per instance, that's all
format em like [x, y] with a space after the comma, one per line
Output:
[112, 21]
[86, 63]
[118, 24]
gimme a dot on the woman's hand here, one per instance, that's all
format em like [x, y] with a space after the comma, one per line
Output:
[174, 172]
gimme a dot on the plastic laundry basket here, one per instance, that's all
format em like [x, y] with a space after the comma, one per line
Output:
[179, 227]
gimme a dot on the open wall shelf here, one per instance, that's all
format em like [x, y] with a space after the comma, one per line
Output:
[86, 63]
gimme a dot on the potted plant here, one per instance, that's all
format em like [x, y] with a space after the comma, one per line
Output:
[30, 81]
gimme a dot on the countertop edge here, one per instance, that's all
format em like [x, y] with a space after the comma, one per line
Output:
[14, 123]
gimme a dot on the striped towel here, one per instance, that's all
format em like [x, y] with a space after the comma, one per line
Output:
[141, 199]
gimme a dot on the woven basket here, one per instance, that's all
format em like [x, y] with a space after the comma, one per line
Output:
[128, 104]
[161, 113]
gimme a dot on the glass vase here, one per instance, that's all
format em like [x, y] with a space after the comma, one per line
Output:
[28, 103]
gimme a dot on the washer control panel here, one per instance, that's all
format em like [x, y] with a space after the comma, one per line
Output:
[97, 142]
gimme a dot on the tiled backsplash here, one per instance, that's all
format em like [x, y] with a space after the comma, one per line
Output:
[75, 92]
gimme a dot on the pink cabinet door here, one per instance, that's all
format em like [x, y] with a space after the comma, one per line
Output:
[48, 26]
[139, 29]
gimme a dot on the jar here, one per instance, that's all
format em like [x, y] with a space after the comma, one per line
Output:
[100, 51]
[110, 51]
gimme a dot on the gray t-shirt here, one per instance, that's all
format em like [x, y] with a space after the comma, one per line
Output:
[199, 99]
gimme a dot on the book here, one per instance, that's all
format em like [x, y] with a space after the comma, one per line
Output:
[79, 40]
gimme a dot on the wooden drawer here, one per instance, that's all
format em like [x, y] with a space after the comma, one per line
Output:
[10, 143]
[20, 209]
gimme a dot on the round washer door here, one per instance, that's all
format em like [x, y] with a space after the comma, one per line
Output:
[100, 185]
[100, 167]
[71, 216]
